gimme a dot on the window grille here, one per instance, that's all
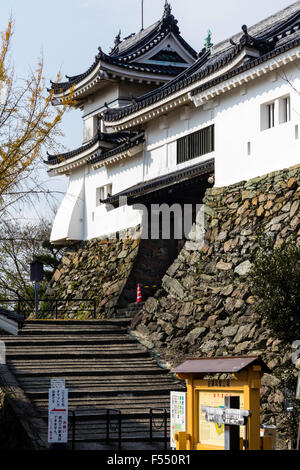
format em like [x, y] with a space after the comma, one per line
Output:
[196, 144]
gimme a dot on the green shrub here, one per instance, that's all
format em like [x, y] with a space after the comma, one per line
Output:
[275, 279]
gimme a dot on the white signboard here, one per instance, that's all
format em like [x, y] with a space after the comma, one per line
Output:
[226, 416]
[58, 383]
[2, 353]
[178, 415]
[298, 389]
[58, 415]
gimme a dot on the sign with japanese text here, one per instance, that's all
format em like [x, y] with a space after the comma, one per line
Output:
[211, 433]
[58, 383]
[178, 415]
[58, 415]
[226, 416]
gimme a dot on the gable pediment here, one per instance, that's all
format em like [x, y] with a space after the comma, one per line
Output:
[168, 52]
[168, 55]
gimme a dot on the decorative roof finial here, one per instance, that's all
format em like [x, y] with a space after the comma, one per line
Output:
[167, 9]
[262, 45]
[208, 44]
[118, 39]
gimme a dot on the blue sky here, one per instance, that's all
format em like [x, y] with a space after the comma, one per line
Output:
[68, 32]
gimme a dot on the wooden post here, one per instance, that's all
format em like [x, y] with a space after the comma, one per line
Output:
[181, 439]
[252, 402]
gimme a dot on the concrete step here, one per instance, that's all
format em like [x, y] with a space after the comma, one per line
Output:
[78, 323]
[76, 354]
[131, 406]
[95, 372]
[93, 392]
[72, 382]
[26, 341]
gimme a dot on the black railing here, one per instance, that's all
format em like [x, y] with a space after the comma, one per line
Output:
[73, 425]
[118, 426]
[22, 306]
[109, 426]
[163, 424]
[113, 419]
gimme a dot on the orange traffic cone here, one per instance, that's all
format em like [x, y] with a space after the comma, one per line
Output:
[139, 294]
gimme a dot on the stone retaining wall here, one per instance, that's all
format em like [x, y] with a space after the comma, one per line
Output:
[206, 307]
[97, 269]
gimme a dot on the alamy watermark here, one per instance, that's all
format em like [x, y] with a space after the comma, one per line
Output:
[169, 222]
[2, 353]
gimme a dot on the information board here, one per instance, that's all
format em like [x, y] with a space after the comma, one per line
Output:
[2, 353]
[58, 415]
[212, 434]
[298, 389]
[178, 415]
[58, 383]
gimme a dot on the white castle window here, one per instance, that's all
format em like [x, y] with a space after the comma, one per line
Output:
[271, 115]
[284, 109]
[196, 144]
[103, 192]
[275, 112]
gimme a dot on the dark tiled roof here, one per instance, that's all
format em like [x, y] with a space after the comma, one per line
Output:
[219, 365]
[130, 141]
[271, 42]
[56, 159]
[121, 141]
[136, 44]
[164, 181]
[129, 50]
[153, 68]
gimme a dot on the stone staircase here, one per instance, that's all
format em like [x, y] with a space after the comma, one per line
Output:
[129, 311]
[104, 368]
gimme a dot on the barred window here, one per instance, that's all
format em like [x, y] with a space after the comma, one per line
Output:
[196, 144]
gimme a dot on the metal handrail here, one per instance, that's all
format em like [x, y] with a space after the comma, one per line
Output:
[55, 301]
[119, 425]
[164, 423]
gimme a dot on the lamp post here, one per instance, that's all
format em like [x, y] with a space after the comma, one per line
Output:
[36, 275]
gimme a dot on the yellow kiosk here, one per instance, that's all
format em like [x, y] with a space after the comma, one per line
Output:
[209, 382]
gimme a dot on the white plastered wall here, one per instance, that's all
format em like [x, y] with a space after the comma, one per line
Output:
[69, 221]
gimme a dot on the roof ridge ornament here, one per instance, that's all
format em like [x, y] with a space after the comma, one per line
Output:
[208, 44]
[118, 38]
[117, 42]
[167, 9]
[168, 20]
[261, 45]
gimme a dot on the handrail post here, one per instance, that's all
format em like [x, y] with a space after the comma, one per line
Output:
[120, 431]
[107, 425]
[165, 425]
[73, 429]
[151, 424]
[55, 309]
[95, 315]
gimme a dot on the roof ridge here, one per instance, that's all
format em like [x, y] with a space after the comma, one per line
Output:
[216, 49]
[265, 44]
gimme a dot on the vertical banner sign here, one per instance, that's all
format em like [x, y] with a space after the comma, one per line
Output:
[58, 412]
[298, 389]
[178, 415]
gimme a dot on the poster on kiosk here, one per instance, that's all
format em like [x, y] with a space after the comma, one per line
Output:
[178, 415]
